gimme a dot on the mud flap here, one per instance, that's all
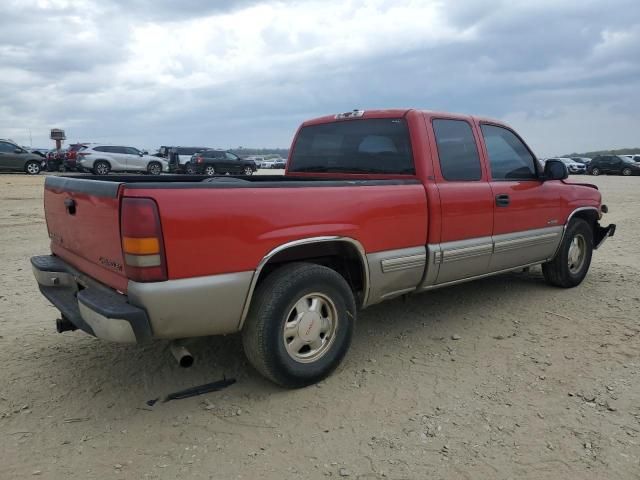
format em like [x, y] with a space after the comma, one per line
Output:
[601, 234]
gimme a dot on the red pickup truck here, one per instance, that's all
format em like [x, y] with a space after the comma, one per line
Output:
[373, 205]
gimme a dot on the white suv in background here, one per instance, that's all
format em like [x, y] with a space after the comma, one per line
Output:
[102, 159]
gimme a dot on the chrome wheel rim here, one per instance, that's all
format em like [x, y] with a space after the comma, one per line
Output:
[626, 172]
[310, 327]
[102, 169]
[595, 171]
[154, 169]
[577, 253]
[32, 168]
[210, 171]
[248, 171]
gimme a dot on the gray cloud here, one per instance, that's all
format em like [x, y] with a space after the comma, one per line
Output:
[242, 73]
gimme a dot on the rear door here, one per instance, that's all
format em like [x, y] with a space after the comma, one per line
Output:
[466, 202]
[527, 224]
[234, 163]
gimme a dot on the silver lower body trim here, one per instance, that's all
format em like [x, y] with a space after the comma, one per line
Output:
[395, 272]
[193, 307]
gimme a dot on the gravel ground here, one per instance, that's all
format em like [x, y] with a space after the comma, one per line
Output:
[502, 378]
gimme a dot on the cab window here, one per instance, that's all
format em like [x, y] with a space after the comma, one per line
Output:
[457, 150]
[509, 158]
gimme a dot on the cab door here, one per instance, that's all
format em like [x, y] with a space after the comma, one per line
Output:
[527, 220]
[466, 202]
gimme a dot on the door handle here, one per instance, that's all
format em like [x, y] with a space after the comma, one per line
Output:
[502, 200]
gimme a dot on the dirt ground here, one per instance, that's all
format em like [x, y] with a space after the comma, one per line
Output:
[539, 382]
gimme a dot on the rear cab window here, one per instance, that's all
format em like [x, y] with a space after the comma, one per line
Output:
[373, 145]
[457, 150]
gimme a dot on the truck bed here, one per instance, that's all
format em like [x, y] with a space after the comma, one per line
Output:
[228, 224]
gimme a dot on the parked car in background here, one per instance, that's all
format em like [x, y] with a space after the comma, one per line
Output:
[71, 156]
[573, 166]
[102, 159]
[268, 163]
[54, 160]
[14, 158]
[584, 160]
[635, 158]
[279, 163]
[613, 164]
[213, 162]
[178, 157]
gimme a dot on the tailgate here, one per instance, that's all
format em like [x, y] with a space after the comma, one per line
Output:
[83, 221]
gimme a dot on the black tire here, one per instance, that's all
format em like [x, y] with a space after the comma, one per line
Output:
[189, 169]
[626, 172]
[209, 170]
[32, 167]
[558, 272]
[248, 171]
[595, 171]
[276, 299]
[154, 168]
[101, 168]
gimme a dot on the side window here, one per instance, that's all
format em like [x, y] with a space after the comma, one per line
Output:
[509, 157]
[231, 156]
[6, 147]
[101, 149]
[132, 151]
[457, 150]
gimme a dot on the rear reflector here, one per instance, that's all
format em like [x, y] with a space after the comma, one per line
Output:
[142, 244]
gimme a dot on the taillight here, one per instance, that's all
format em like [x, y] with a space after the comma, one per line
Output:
[199, 159]
[142, 243]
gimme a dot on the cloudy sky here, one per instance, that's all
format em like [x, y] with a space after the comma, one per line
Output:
[222, 73]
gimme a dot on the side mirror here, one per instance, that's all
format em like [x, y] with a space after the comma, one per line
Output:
[144, 152]
[555, 170]
[18, 150]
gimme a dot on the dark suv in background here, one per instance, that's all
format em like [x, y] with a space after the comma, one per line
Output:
[613, 164]
[213, 162]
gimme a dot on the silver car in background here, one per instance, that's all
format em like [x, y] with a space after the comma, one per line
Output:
[102, 159]
[573, 166]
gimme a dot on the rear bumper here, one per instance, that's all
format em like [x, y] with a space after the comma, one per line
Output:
[190, 307]
[91, 307]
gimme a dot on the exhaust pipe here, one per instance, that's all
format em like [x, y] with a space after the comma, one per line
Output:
[181, 354]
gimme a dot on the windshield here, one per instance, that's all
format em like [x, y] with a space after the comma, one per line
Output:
[378, 145]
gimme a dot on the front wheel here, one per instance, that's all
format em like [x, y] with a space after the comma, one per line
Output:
[626, 172]
[571, 263]
[595, 171]
[300, 324]
[32, 168]
[248, 171]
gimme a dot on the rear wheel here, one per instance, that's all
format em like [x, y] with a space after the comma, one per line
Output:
[209, 170]
[189, 169]
[595, 171]
[154, 168]
[300, 324]
[101, 168]
[32, 167]
[571, 264]
[626, 172]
